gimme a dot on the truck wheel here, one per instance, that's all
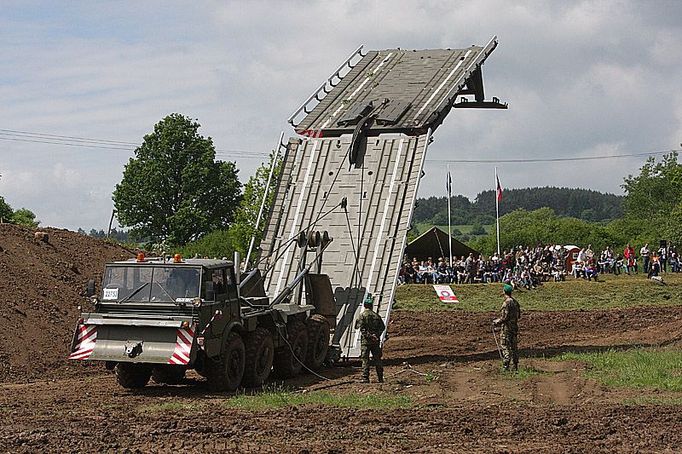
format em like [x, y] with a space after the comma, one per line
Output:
[260, 351]
[132, 376]
[168, 374]
[225, 373]
[288, 359]
[318, 341]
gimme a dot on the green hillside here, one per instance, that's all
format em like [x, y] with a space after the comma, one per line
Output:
[582, 204]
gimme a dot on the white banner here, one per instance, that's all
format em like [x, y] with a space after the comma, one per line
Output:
[445, 294]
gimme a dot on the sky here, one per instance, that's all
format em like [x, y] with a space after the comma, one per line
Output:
[582, 79]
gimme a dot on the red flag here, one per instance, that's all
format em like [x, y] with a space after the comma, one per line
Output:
[499, 189]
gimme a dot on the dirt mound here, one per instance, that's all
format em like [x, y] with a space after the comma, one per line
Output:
[41, 285]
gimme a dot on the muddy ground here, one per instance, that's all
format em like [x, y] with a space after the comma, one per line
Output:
[445, 362]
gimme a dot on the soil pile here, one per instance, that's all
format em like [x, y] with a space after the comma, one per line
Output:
[42, 283]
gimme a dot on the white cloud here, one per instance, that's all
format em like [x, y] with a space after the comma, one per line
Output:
[581, 78]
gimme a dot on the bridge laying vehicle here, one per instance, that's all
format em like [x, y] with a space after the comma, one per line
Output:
[352, 171]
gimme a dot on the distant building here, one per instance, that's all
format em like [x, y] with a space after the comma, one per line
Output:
[434, 243]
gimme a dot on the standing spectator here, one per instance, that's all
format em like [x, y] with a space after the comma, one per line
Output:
[674, 262]
[629, 258]
[644, 252]
[470, 269]
[663, 258]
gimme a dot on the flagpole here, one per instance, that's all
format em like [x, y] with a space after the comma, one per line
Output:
[497, 214]
[449, 215]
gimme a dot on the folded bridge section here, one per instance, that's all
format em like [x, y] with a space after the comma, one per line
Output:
[355, 171]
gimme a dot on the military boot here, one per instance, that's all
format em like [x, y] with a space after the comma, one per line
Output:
[380, 375]
[364, 380]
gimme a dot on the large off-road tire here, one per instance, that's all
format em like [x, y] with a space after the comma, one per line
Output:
[260, 352]
[318, 341]
[225, 372]
[132, 376]
[168, 374]
[288, 359]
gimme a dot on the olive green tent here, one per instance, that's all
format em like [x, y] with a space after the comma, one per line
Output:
[434, 243]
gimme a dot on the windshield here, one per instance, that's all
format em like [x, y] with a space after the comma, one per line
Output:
[144, 284]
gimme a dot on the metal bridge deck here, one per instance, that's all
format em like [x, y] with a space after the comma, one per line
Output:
[410, 94]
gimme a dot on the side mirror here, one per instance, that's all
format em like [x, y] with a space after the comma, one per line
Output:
[209, 291]
[90, 290]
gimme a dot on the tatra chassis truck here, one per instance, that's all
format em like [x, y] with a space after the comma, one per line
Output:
[158, 317]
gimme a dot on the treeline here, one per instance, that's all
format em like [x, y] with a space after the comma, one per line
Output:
[122, 236]
[584, 204]
[652, 211]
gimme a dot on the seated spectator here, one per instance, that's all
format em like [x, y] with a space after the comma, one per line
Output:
[654, 266]
[590, 271]
[442, 275]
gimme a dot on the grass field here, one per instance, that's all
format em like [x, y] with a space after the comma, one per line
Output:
[281, 398]
[641, 368]
[609, 292]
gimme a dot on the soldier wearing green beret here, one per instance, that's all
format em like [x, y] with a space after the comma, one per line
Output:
[509, 321]
[371, 328]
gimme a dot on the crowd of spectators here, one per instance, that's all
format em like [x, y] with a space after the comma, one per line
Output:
[523, 267]
[528, 267]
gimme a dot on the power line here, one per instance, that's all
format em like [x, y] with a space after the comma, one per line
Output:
[528, 160]
[16, 133]
[68, 144]
[105, 144]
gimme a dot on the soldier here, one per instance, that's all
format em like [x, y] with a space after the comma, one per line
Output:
[509, 318]
[371, 327]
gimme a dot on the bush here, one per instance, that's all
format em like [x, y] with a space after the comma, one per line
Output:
[216, 244]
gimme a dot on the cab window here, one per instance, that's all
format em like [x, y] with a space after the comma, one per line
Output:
[218, 279]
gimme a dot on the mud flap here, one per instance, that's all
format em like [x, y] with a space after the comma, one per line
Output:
[139, 344]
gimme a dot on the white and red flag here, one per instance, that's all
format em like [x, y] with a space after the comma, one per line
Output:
[499, 188]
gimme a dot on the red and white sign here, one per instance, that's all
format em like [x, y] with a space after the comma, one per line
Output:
[445, 294]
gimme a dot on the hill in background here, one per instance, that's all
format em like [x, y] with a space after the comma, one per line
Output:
[583, 204]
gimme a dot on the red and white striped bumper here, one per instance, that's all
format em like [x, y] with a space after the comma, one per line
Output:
[183, 346]
[84, 344]
[133, 343]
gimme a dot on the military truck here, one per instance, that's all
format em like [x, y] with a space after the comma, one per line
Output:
[158, 317]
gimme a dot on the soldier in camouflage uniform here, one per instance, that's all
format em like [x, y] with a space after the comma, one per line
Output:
[371, 327]
[509, 318]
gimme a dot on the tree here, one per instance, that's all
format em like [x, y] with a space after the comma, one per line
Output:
[245, 226]
[25, 217]
[477, 229]
[215, 244]
[653, 194]
[6, 211]
[173, 190]
[543, 226]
